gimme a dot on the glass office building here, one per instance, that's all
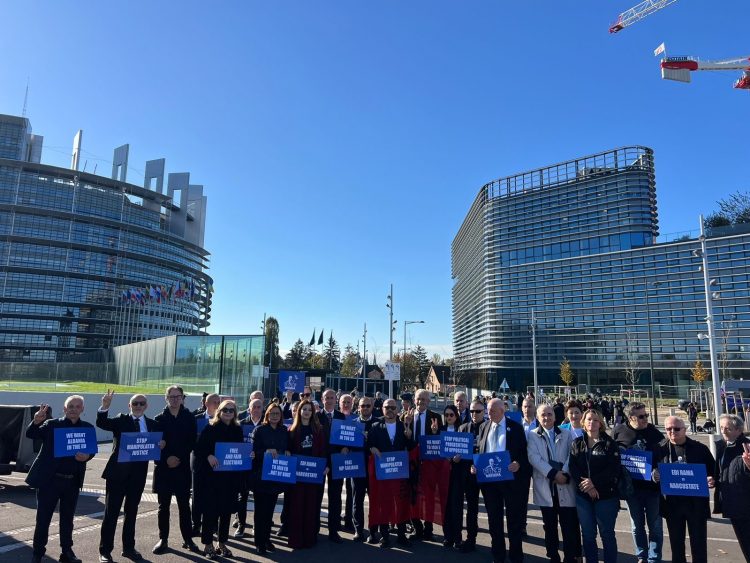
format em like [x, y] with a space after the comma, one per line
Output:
[577, 243]
[89, 262]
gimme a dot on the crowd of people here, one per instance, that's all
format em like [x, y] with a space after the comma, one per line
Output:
[565, 452]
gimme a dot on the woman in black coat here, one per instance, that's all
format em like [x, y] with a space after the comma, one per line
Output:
[270, 438]
[454, 509]
[224, 486]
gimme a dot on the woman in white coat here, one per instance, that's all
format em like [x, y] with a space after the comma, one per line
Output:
[554, 493]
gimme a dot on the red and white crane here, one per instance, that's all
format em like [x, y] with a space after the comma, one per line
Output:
[637, 13]
[679, 68]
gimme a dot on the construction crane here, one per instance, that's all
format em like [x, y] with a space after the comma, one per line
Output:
[637, 13]
[679, 68]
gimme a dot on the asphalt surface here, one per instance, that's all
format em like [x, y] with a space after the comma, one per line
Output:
[18, 507]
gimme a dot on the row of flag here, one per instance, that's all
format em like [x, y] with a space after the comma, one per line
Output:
[320, 338]
[159, 293]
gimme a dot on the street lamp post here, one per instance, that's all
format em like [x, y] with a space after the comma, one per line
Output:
[651, 351]
[391, 342]
[533, 354]
[407, 323]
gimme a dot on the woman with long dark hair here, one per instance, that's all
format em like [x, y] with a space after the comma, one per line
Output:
[454, 514]
[270, 438]
[224, 486]
[307, 438]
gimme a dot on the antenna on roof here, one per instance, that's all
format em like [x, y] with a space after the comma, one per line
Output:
[25, 98]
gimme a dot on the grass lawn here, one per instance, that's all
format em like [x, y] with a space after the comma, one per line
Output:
[80, 387]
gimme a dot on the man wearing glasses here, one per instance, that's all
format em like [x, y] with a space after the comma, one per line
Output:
[639, 434]
[124, 481]
[471, 487]
[360, 484]
[172, 472]
[685, 511]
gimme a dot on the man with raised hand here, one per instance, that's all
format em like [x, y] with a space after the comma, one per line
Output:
[56, 479]
[124, 481]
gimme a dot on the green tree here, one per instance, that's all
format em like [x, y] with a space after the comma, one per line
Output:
[332, 355]
[297, 356]
[422, 365]
[566, 372]
[272, 343]
[349, 362]
[736, 207]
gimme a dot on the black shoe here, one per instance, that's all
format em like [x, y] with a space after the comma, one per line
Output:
[335, 537]
[132, 554]
[349, 528]
[416, 536]
[403, 541]
[358, 537]
[236, 524]
[447, 544]
[283, 531]
[190, 545]
[240, 532]
[261, 551]
[196, 533]
[385, 542]
[103, 558]
[160, 548]
[36, 558]
[374, 538]
[67, 556]
[427, 536]
[270, 547]
[468, 546]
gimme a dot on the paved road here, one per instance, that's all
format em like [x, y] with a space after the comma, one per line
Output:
[17, 508]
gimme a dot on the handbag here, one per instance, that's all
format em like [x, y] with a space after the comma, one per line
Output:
[625, 487]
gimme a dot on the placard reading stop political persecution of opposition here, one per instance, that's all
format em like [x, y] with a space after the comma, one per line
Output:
[70, 441]
[638, 463]
[139, 446]
[233, 456]
[683, 479]
[456, 443]
[392, 465]
[282, 468]
[346, 433]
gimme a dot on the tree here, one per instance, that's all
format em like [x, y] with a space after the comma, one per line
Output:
[297, 356]
[331, 355]
[736, 207]
[716, 220]
[350, 361]
[422, 365]
[436, 360]
[409, 370]
[632, 370]
[272, 343]
[698, 372]
[566, 372]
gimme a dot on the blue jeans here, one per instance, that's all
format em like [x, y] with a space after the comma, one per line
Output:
[601, 514]
[644, 509]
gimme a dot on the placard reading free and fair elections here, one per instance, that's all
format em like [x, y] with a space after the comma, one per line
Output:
[347, 433]
[139, 446]
[282, 468]
[70, 441]
[683, 479]
[233, 456]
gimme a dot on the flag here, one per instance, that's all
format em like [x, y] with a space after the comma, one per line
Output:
[659, 50]
[320, 340]
[312, 340]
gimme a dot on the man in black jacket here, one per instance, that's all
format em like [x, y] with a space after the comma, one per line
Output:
[124, 481]
[360, 484]
[471, 487]
[327, 415]
[56, 479]
[502, 434]
[639, 434]
[172, 471]
[732, 496]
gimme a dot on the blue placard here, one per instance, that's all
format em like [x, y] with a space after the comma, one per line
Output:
[683, 479]
[247, 432]
[516, 416]
[456, 443]
[288, 422]
[291, 381]
[493, 467]
[346, 433]
[429, 446]
[345, 466]
[201, 423]
[311, 469]
[70, 441]
[638, 463]
[282, 469]
[233, 456]
[392, 465]
[139, 446]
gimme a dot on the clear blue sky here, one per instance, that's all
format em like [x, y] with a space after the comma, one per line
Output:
[341, 143]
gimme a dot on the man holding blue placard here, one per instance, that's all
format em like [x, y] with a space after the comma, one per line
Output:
[471, 487]
[56, 479]
[326, 416]
[124, 480]
[681, 511]
[361, 484]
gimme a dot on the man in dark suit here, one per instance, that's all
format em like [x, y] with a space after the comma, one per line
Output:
[462, 404]
[360, 484]
[502, 434]
[471, 487]
[389, 434]
[124, 481]
[426, 422]
[56, 479]
[327, 415]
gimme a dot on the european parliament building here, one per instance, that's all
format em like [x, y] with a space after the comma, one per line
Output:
[89, 262]
[577, 243]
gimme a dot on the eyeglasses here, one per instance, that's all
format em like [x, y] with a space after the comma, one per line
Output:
[305, 394]
[228, 411]
[449, 414]
[642, 416]
[675, 429]
[477, 411]
[390, 408]
[138, 403]
[365, 406]
[173, 397]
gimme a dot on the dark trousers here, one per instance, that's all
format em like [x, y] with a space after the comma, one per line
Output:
[349, 506]
[421, 527]
[242, 508]
[361, 487]
[697, 526]
[471, 492]
[216, 520]
[334, 504]
[523, 489]
[129, 490]
[199, 487]
[502, 501]
[263, 516]
[742, 531]
[454, 507]
[183, 506]
[64, 491]
[567, 516]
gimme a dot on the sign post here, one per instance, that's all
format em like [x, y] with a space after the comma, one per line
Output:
[392, 373]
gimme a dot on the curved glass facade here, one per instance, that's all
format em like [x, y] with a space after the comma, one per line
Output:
[88, 262]
[576, 242]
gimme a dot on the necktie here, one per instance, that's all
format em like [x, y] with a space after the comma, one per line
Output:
[330, 416]
[137, 424]
[492, 439]
[418, 428]
[551, 439]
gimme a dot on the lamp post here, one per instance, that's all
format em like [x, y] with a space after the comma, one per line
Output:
[651, 350]
[391, 342]
[533, 354]
[407, 323]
